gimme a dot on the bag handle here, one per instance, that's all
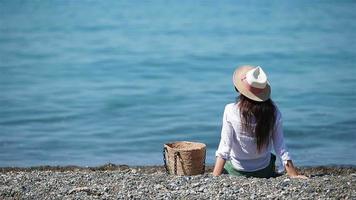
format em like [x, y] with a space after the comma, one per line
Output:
[204, 157]
[176, 154]
[164, 159]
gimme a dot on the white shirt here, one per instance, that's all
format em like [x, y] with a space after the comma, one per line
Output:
[240, 147]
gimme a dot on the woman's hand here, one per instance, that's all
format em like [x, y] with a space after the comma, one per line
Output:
[219, 166]
[299, 176]
[292, 171]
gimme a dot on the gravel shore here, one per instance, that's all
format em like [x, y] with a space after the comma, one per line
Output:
[124, 182]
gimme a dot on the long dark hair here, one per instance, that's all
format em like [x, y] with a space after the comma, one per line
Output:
[263, 114]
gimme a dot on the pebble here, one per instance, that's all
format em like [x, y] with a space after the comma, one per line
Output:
[226, 185]
[195, 184]
[157, 186]
[285, 182]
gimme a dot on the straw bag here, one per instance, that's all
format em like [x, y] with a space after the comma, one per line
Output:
[184, 158]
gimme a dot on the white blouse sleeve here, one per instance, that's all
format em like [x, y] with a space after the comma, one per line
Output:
[226, 138]
[278, 142]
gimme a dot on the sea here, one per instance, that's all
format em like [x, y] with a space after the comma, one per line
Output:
[93, 82]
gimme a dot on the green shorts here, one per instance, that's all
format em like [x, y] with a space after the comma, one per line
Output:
[267, 172]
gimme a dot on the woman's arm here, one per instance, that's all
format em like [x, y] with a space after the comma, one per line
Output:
[281, 149]
[219, 166]
[223, 152]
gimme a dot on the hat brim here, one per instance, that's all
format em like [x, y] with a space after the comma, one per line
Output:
[238, 76]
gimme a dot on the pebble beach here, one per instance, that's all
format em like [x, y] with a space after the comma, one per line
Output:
[151, 182]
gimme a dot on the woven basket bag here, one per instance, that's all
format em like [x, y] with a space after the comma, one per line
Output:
[184, 158]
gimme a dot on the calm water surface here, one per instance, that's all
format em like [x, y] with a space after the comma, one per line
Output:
[86, 83]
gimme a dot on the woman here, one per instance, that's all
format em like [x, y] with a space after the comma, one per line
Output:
[250, 128]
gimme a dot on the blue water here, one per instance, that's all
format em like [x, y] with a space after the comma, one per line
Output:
[87, 82]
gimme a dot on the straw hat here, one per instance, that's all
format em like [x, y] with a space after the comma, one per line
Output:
[252, 82]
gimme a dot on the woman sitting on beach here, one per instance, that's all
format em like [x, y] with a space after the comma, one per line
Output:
[250, 127]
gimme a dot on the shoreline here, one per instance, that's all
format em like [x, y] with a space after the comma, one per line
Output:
[112, 181]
